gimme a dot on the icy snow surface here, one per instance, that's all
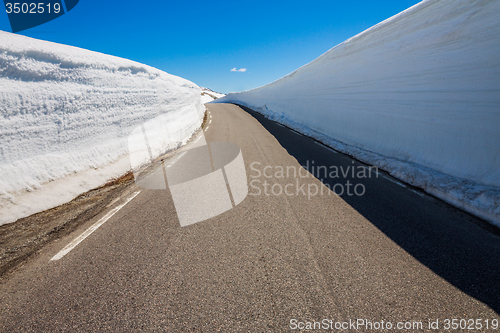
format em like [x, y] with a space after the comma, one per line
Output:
[417, 95]
[65, 117]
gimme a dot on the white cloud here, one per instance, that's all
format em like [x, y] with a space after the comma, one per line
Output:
[238, 70]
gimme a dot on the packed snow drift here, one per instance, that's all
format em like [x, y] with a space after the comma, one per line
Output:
[417, 95]
[66, 114]
[208, 95]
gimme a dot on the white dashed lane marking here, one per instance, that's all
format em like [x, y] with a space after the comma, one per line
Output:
[90, 230]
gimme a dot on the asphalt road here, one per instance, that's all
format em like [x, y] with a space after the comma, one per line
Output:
[391, 254]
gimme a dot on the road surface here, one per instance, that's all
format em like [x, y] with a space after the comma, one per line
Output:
[272, 263]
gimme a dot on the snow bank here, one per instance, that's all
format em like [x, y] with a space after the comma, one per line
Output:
[66, 114]
[418, 95]
[208, 95]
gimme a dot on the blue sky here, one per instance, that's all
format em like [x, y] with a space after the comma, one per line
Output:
[203, 40]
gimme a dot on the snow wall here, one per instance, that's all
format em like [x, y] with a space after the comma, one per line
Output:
[417, 95]
[66, 114]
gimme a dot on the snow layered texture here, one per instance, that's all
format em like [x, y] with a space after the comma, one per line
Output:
[417, 95]
[66, 111]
